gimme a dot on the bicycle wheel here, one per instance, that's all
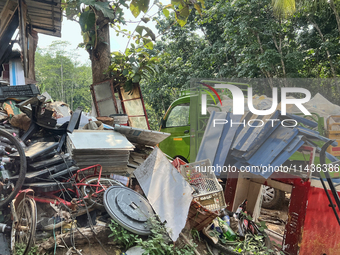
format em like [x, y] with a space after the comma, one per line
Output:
[94, 190]
[23, 231]
[9, 189]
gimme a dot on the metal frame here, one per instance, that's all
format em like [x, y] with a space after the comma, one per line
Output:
[140, 97]
[104, 99]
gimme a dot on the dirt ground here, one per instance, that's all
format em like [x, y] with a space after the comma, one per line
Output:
[94, 249]
[276, 219]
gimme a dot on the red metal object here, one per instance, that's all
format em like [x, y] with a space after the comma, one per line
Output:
[51, 199]
[177, 162]
[230, 190]
[79, 177]
[296, 217]
[321, 232]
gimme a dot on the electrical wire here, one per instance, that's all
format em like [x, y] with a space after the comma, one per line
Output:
[87, 211]
[55, 239]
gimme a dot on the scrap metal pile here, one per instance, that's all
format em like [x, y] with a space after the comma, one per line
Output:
[65, 173]
[61, 171]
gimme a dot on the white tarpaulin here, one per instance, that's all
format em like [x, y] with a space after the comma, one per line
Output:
[167, 191]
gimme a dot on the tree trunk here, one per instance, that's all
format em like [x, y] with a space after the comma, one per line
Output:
[337, 17]
[62, 80]
[327, 51]
[267, 74]
[100, 54]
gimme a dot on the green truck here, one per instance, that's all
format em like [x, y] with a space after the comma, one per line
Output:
[184, 121]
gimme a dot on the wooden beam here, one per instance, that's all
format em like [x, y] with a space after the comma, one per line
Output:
[22, 29]
[7, 14]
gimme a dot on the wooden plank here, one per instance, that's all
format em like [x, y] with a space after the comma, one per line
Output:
[22, 30]
[7, 14]
[269, 182]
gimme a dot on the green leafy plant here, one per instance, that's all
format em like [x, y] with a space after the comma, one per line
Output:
[21, 247]
[34, 250]
[195, 234]
[254, 245]
[129, 68]
[159, 243]
[122, 236]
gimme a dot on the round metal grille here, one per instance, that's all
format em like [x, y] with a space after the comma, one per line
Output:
[129, 209]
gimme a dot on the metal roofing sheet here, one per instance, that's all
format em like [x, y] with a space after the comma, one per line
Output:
[211, 137]
[45, 15]
[311, 133]
[244, 146]
[273, 146]
[226, 140]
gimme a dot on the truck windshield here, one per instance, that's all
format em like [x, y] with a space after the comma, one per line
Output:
[179, 116]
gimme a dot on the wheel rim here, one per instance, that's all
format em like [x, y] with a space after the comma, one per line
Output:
[104, 184]
[9, 189]
[268, 194]
[24, 230]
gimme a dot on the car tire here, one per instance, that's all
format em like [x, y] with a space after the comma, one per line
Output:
[272, 198]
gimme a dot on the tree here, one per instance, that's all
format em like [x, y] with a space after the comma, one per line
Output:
[95, 18]
[62, 77]
[244, 39]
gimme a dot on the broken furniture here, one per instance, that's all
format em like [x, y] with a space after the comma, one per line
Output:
[208, 192]
[114, 101]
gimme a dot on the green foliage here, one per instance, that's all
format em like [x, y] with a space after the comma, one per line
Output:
[158, 242]
[58, 73]
[122, 236]
[253, 245]
[87, 13]
[128, 69]
[233, 39]
[34, 250]
[195, 234]
[20, 249]
[137, 6]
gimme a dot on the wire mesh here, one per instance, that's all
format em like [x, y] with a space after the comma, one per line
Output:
[208, 192]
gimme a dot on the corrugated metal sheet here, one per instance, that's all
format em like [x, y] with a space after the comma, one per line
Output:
[254, 146]
[45, 15]
[226, 140]
[211, 137]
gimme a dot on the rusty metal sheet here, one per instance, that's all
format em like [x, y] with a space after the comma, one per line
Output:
[141, 136]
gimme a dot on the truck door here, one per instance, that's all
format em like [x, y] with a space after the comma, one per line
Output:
[178, 125]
